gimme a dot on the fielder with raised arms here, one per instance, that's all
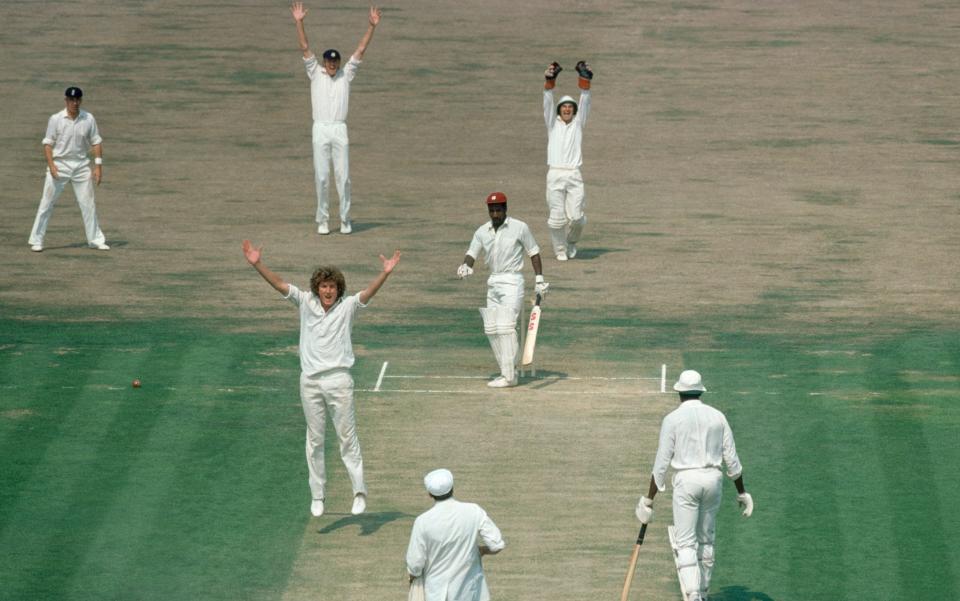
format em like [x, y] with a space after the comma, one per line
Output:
[565, 198]
[330, 100]
[695, 440]
[326, 356]
[504, 241]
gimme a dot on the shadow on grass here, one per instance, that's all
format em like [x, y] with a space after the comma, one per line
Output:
[588, 254]
[739, 593]
[369, 522]
[543, 379]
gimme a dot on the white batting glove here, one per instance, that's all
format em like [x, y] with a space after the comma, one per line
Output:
[746, 502]
[464, 270]
[541, 286]
[644, 510]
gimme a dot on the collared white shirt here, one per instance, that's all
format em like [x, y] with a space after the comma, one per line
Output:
[72, 139]
[330, 96]
[504, 248]
[695, 436]
[444, 550]
[564, 139]
[324, 335]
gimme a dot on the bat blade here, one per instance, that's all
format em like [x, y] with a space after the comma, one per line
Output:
[625, 594]
[533, 326]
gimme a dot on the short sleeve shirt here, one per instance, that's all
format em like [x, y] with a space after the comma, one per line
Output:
[324, 335]
[71, 139]
[505, 247]
[330, 96]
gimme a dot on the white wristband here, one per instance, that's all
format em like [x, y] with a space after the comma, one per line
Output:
[98, 161]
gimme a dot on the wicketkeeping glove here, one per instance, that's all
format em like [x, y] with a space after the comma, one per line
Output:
[464, 270]
[644, 510]
[553, 69]
[746, 502]
[583, 70]
[541, 286]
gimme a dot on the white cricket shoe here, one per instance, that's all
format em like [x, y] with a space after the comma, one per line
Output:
[323, 229]
[316, 508]
[571, 251]
[346, 227]
[501, 382]
[99, 246]
[562, 257]
[359, 504]
[36, 248]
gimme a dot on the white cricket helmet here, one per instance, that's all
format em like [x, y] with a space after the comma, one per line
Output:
[567, 100]
[689, 381]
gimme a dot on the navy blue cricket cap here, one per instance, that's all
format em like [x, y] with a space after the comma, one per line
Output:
[73, 92]
[331, 55]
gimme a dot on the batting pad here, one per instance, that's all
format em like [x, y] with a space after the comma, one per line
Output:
[676, 560]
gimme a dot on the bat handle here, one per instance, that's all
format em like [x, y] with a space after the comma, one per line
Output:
[643, 532]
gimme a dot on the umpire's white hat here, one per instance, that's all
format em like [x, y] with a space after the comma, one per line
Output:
[689, 381]
[438, 482]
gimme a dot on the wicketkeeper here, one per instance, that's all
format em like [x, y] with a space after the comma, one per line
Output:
[695, 440]
[504, 241]
[565, 197]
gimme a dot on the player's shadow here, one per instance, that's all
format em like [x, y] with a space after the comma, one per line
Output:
[369, 523]
[739, 593]
[589, 254]
[544, 378]
[362, 226]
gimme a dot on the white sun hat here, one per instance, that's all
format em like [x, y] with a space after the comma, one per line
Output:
[689, 381]
[438, 482]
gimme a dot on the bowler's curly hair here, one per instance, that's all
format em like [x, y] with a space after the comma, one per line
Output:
[328, 273]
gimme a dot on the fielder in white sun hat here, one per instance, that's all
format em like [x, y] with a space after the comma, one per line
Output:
[689, 381]
[438, 482]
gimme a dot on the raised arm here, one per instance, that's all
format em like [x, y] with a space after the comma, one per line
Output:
[374, 18]
[252, 254]
[299, 13]
[388, 267]
[550, 81]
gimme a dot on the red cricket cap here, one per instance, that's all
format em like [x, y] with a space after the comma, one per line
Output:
[497, 198]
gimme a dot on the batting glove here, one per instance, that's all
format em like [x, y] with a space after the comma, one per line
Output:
[644, 510]
[746, 502]
[541, 286]
[464, 270]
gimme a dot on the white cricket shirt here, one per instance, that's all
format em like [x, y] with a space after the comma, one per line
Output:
[695, 436]
[72, 139]
[564, 139]
[504, 248]
[444, 549]
[324, 335]
[330, 96]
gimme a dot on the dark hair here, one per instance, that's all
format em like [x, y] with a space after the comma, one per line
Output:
[443, 497]
[327, 273]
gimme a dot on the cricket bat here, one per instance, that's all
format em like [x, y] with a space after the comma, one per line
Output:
[625, 594]
[533, 326]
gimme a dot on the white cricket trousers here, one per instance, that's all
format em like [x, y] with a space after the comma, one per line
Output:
[330, 143]
[566, 204]
[331, 391]
[504, 302]
[82, 179]
[696, 501]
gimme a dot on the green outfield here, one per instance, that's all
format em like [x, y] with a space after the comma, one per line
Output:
[773, 200]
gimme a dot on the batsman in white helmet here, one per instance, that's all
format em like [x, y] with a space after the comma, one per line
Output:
[504, 241]
[565, 198]
[696, 441]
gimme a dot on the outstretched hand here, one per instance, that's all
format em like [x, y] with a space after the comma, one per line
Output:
[298, 11]
[251, 252]
[375, 14]
[389, 264]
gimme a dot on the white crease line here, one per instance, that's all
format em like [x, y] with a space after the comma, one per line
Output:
[408, 377]
[518, 391]
[383, 370]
